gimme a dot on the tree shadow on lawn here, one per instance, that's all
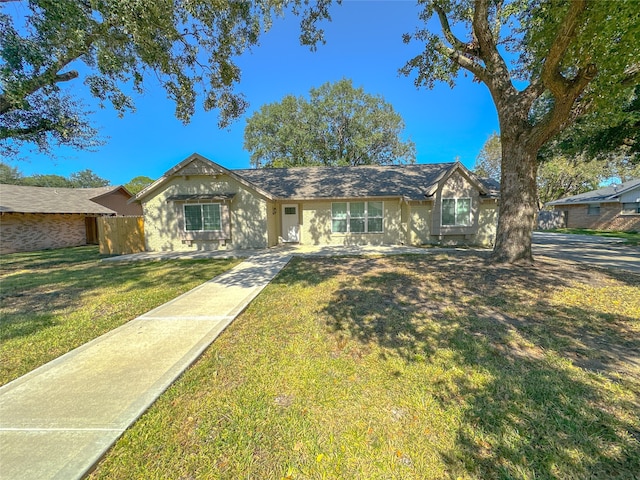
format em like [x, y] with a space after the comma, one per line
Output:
[538, 416]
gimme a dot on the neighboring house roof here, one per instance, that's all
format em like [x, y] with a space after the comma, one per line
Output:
[413, 182]
[24, 199]
[610, 193]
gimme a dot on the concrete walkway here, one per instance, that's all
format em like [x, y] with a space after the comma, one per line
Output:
[57, 421]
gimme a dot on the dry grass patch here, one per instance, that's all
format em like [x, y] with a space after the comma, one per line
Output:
[407, 367]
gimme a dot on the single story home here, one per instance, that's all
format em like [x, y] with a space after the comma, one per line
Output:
[615, 207]
[37, 218]
[200, 205]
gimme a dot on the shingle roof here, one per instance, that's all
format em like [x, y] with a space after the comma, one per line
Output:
[414, 182]
[610, 193]
[23, 199]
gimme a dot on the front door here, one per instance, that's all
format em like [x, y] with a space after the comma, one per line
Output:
[290, 223]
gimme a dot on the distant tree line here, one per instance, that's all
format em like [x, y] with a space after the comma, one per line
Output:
[82, 179]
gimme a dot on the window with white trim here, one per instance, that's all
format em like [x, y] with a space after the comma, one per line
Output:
[204, 217]
[357, 217]
[456, 212]
[629, 208]
[593, 209]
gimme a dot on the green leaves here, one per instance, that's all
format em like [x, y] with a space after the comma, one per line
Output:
[338, 125]
[188, 46]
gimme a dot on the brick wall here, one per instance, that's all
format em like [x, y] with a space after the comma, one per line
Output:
[26, 232]
[609, 218]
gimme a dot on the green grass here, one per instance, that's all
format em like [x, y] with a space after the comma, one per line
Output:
[632, 238]
[54, 301]
[412, 367]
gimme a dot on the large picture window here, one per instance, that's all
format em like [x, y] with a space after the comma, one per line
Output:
[356, 217]
[202, 217]
[456, 211]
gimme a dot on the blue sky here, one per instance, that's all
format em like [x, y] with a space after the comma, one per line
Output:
[363, 43]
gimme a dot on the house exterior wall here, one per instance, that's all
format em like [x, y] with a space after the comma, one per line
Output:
[117, 201]
[247, 215]
[26, 232]
[631, 196]
[273, 221]
[420, 224]
[487, 223]
[315, 227]
[610, 217]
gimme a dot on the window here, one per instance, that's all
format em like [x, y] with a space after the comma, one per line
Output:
[202, 217]
[456, 211]
[593, 209]
[339, 217]
[289, 210]
[631, 208]
[356, 217]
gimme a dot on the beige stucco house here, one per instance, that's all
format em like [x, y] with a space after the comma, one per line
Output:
[200, 205]
[37, 218]
[614, 207]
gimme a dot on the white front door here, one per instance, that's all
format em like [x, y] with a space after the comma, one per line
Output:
[290, 223]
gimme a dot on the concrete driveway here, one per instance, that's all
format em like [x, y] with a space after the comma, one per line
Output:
[606, 252]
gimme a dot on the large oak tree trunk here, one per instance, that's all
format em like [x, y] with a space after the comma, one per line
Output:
[518, 202]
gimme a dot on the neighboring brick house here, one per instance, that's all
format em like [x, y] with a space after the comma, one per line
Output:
[37, 218]
[615, 208]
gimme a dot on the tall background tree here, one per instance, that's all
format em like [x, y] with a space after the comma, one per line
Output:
[337, 125]
[189, 47]
[136, 184]
[489, 159]
[572, 56]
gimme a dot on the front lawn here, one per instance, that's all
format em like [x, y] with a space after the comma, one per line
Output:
[412, 367]
[53, 301]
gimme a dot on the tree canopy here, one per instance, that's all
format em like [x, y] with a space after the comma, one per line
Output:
[602, 134]
[136, 184]
[337, 125]
[546, 64]
[189, 47]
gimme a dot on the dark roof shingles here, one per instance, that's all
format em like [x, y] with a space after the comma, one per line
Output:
[24, 199]
[409, 181]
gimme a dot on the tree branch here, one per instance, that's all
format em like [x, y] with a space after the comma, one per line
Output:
[631, 75]
[563, 109]
[551, 75]
[43, 125]
[49, 77]
[457, 44]
[464, 61]
[565, 91]
[499, 77]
